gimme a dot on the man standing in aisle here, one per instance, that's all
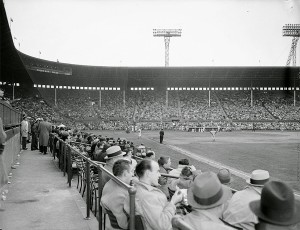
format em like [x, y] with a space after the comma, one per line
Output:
[24, 132]
[161, 135]
[44, 130]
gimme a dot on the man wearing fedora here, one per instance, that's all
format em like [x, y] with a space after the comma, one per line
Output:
[113, 154]
[238, 212]
[207, 196]
[277, 209]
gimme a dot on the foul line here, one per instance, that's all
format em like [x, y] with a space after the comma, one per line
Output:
[216, 164]
[211, 162]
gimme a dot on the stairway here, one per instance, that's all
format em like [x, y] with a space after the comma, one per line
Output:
[220, 104]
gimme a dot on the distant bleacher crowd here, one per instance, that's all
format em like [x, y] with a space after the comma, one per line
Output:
[231, 110]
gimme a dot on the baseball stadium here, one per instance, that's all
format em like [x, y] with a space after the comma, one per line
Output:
[242, 119]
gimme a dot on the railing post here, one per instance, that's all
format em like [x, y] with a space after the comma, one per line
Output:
[132, 192]
[70, 171]
[60, 153]
[88, 200]
[65, 158]
[54, 147]
[100, 188]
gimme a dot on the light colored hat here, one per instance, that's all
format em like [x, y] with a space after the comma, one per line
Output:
[207, 192]
[114, 151]
[224, 176]
[258, 178]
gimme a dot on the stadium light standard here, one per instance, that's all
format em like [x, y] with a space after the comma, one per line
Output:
[292, 30]
[167, 34]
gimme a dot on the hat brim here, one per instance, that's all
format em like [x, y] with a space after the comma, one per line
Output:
[121, 154]
[227, 194]
[256, 209]
[256, 185]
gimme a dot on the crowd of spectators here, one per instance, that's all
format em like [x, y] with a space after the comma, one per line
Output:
[198, 199]
[272, 110]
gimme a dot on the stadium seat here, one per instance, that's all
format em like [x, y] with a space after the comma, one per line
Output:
[179, 224]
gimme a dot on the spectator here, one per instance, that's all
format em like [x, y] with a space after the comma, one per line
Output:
[44, 130]
[277, 209]
[181, 164]
[24, 132]
[164, 167]
[151, 203]
[186, 178]
[112, 191]
[207, 196]
[150, 155]
[34, 132]
[114, 153]
[224, 176]
[238, 212]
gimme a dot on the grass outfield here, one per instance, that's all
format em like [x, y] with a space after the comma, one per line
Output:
[276, 152]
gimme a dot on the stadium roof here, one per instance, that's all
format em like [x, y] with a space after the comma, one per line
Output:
[12, 68]
[55, 73]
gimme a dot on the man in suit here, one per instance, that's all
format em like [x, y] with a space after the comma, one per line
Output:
[161, 135]
[44, 130]
[113, 195]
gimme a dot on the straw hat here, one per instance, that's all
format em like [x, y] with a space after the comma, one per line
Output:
[207, 192]
[277, 205]
[114, 151]
[258, 178]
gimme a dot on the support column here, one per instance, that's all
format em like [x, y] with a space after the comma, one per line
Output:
[55, 102]
[209, 98]
[251, 96]
[294, 96]
[167, 98]
[100, 99]
[13, 89]
[124, 98]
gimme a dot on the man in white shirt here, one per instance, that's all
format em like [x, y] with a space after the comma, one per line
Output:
[24, 132]
[238, 212]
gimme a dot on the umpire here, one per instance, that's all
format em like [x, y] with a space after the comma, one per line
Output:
[161, 135]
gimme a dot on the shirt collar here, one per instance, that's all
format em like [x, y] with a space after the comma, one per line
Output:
[146, 186]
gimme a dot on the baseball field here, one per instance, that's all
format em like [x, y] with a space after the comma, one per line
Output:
[240, 151]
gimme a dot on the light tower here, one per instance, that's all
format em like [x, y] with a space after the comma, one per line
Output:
[167, 33]
[292, 30]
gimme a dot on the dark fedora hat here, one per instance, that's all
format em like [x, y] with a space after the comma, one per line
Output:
[277, 205]
[207, 192]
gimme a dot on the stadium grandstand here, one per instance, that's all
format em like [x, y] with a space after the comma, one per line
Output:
[97, 114]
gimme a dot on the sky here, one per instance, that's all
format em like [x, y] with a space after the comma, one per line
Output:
[120, 32]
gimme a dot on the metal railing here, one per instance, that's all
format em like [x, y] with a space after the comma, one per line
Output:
[65, 164]
[10, 116]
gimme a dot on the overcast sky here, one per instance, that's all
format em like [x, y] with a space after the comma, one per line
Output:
[120, 32]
